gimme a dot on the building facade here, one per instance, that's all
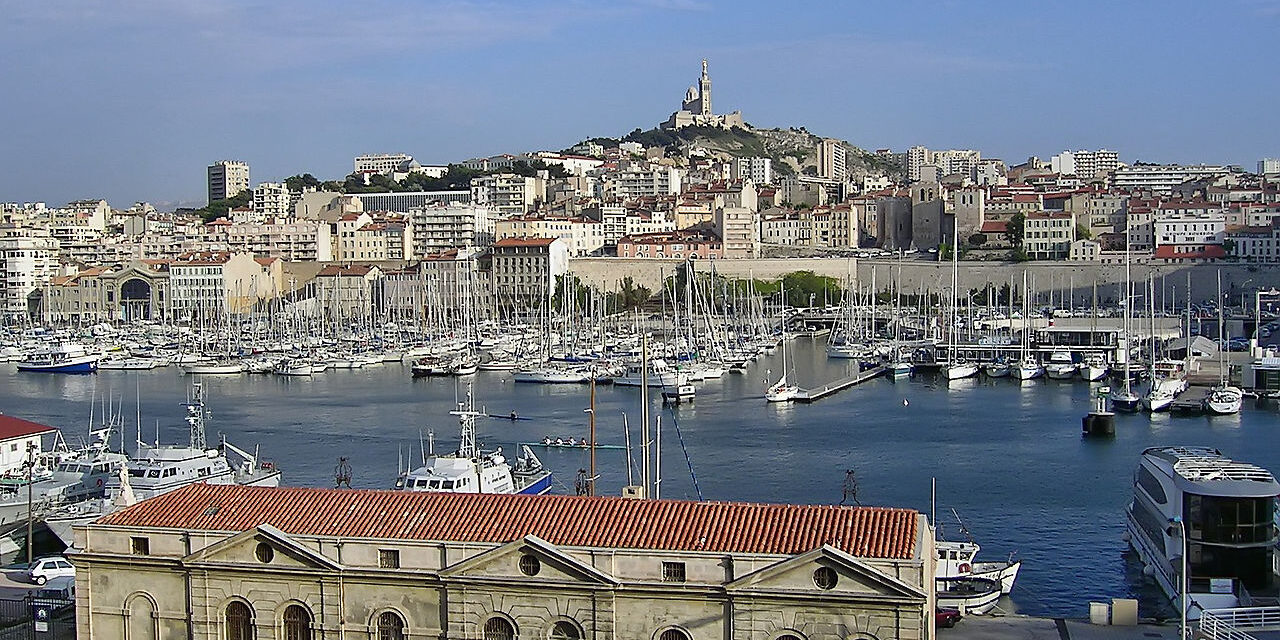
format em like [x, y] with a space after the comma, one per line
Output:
[438, 228]
[673, 244]
[227, 178]
[524, 270]
[226, 562]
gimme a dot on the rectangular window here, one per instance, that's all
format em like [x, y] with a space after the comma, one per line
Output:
[140, 545]
[673, 572]
[389, 558]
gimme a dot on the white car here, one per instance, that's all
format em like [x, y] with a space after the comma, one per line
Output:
[52, 567]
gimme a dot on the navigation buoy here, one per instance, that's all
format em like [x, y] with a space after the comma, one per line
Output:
[905, 402]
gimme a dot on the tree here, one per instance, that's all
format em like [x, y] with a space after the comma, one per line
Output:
[978, 239]
[219, 208]
[1018, 255]
[299, 182]
[1229, 245]
[1013, 229]
[1082, 232]
[632, 296]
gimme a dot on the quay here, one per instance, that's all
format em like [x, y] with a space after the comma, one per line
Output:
[809, 395]
[1015, 627]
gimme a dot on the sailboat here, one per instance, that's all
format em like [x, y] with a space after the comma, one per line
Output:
[1223, 399]
[1028, 366]
[1124, 399]
[783, 390]
[957, 368]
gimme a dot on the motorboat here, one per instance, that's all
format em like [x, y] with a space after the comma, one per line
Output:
[74, 476]
[1061, 366]
[1193, 507]
[552, 375]
[660, 375]
[958, 560]
[156, 469]
[214, 367]
[470, 470]
[969, 595]
[901, 368]
[67, 357]
[127, 364]
[1094, 368]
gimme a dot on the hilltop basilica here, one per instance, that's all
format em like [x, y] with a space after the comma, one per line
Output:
[696, 108]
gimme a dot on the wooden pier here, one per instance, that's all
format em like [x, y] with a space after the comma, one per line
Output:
[1191, 400]
[809, 395]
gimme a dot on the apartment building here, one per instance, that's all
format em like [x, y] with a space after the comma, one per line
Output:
[438, 228]
[642, 182]
[1047, 235]
[28, 260]
[739, 231]
[508, 193]
[682, 245]
[383, 163]
[582, 236]
[210, 284]
[757, 170]
[271, 200]
[227, 178]
[524, 271]
[1161, 177]
[832, 159]
[300, 241]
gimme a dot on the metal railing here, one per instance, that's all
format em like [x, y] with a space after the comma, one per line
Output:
[1235, 624]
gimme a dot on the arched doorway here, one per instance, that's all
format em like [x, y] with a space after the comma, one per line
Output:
[135, 299]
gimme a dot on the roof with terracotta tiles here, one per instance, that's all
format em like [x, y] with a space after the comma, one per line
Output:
[601, 522]
[11, 427]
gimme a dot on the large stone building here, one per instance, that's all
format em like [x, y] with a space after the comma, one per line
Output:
[132, 291]
[695, 109]
[240, 563]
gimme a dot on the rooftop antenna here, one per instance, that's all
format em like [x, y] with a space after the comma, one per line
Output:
[342, 474]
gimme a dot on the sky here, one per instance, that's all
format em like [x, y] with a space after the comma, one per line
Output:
[130, 100]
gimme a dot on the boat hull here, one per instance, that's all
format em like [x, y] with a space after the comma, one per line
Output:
[88, 366]
[972, 596]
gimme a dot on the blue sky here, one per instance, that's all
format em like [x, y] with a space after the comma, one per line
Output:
[130, 100]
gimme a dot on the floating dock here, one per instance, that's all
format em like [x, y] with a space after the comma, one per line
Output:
[809, 395]
[1191, 400]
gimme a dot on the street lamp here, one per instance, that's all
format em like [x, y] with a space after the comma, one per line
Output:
[1183, 577]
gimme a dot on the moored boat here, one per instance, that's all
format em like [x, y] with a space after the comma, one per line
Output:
[970, 595]
[68, 357]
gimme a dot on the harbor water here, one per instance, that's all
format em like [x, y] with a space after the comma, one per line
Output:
[1007, 456]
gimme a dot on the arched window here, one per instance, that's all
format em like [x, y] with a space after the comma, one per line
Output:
[239, 622]
[565, 630]
[297, 623]
[788, 636]
[496, 628]
[674, 634]
[390, 626]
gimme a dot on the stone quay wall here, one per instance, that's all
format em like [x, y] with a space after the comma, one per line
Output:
[1042, 277]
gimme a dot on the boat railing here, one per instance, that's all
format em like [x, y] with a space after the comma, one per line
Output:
[1237, 623]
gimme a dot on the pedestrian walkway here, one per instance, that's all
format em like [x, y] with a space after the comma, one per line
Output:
[1028, 628]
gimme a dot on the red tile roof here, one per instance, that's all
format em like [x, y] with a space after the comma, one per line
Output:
[994, 226]
[562, 520]
[11, 427]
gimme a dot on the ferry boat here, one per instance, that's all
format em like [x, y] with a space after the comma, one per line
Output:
[1226, 509]
[157, 469]
[470, 470]
[68, 357]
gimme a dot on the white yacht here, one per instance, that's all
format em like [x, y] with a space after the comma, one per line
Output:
[1094, 368]
[660, 375]
[157, 469]
[1061, 366]
[1227, 510]
[470, 470]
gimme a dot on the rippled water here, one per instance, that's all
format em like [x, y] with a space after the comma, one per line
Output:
[1007, 456]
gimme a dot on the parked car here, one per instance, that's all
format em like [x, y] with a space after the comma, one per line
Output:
[42, 570]
[57, 592]
[946, 618]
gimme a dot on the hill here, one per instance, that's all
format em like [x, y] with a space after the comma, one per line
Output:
[792, 150]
